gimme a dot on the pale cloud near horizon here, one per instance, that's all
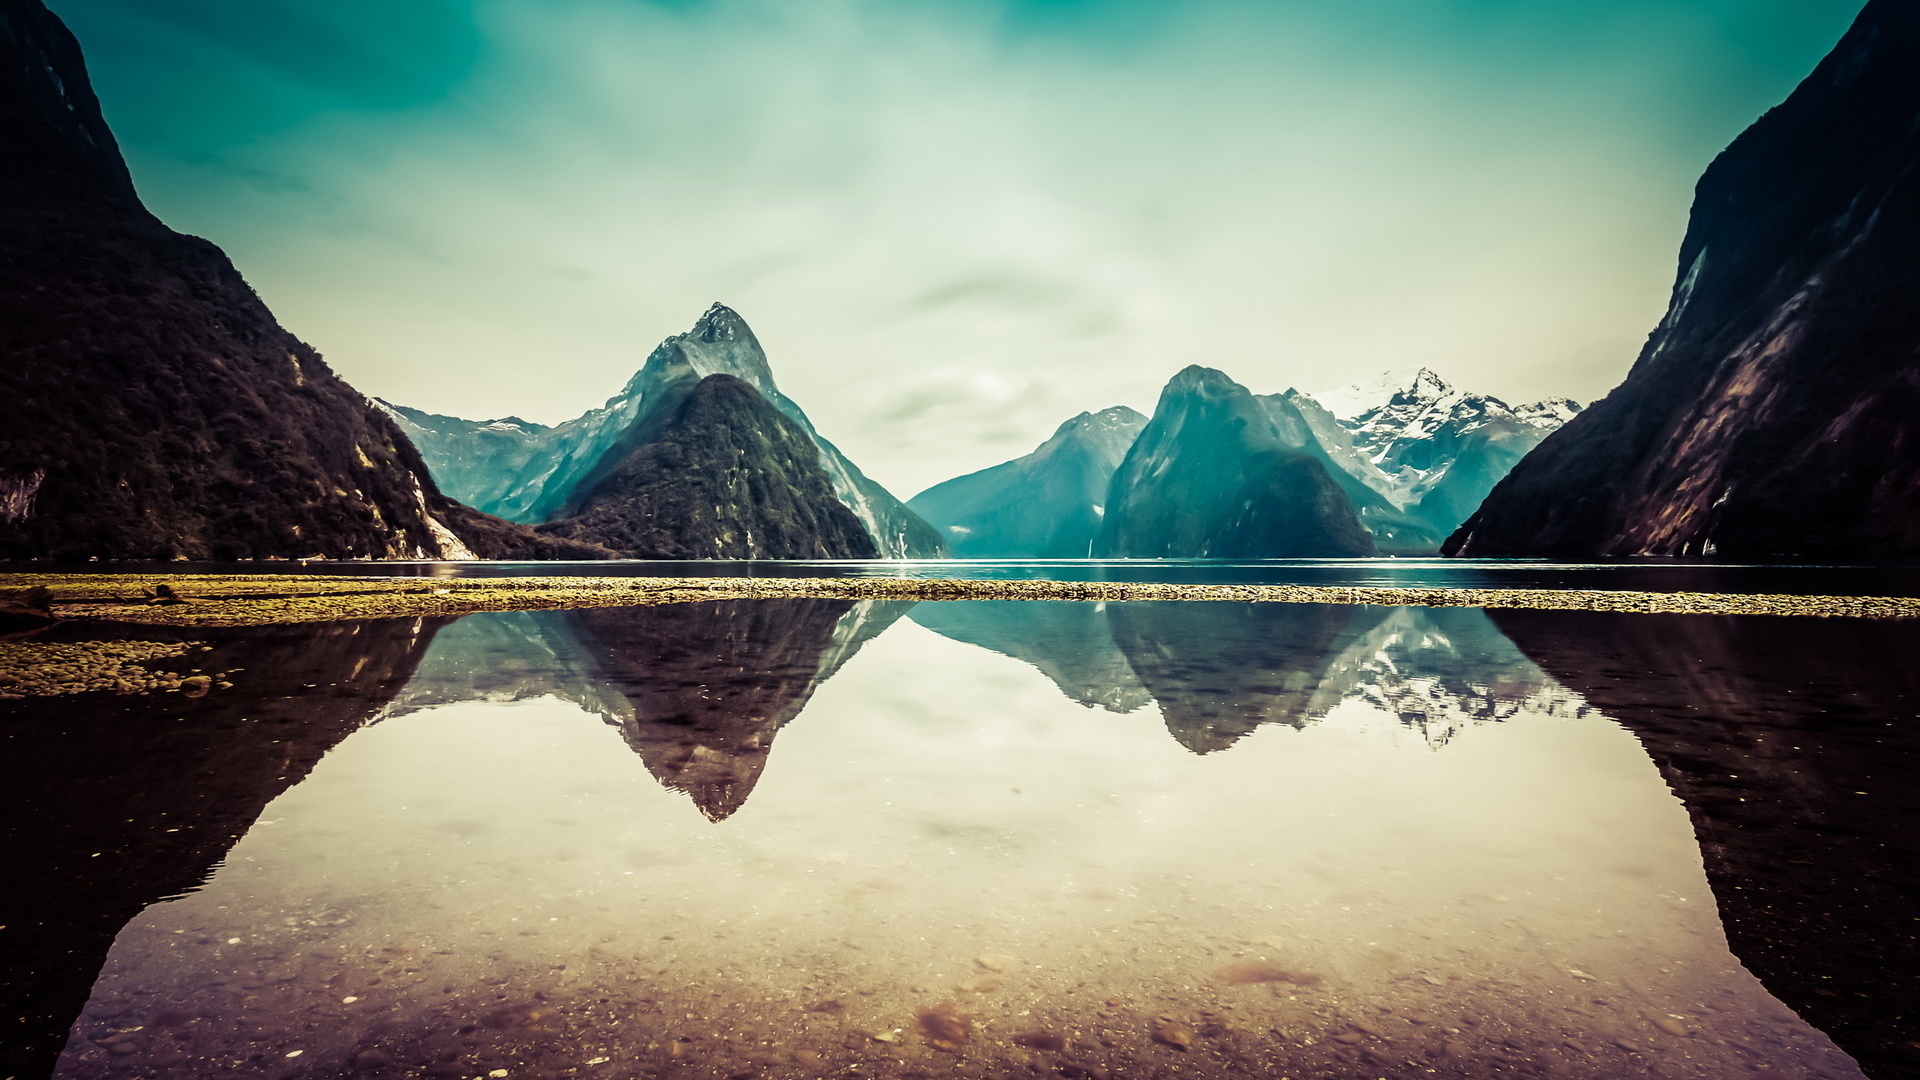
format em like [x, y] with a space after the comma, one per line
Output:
[951, 236]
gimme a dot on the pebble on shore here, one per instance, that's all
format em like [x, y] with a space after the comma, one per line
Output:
[35, 669]
[261, 600]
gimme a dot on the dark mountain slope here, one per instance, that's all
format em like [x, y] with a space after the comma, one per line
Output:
[109, 804]
[720, 475]
[153, 407]
[1794, 750]
[1775, 411]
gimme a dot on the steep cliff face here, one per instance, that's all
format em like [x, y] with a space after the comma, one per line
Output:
[153, 408]
[1046, 505]
[717, 474]
[530, 473]
[1215, 475]
[1775, 411]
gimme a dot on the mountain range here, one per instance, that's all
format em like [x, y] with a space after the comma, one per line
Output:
[566, 476]
[156, 409]
[1392, 466]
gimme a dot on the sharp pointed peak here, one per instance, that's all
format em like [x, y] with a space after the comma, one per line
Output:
[720, 323]
[1414, 381]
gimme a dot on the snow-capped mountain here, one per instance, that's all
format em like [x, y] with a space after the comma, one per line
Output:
[1433, 451]
[1046, 505]
[1410, 417]
[1411, 455]
[530, 473]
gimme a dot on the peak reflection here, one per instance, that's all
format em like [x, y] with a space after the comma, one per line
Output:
[697, 690]
[1218, 671]
[709, 684]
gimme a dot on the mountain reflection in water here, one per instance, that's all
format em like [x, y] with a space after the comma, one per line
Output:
[697, 690]
[108, 804]
[1381, 842]
[1218, 671]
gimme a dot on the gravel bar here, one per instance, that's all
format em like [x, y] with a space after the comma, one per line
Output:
[236, 600]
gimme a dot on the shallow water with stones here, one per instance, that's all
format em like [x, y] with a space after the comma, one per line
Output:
[791, 838]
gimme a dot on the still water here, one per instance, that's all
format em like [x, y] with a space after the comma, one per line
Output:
[797, 838]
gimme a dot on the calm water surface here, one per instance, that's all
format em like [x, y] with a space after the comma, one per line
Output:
[804, 838]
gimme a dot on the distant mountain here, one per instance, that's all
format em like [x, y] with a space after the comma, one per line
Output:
[530, 473]
[1214, 475]
[154, 408]
[1413, 455]
[714, 472]
[1434, 451]
[1775, 411]
[1046, 505]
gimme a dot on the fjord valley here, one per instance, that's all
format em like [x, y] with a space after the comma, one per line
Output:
[1296, 708]
[164, 414]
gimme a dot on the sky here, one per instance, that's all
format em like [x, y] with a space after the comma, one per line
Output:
[952, 223]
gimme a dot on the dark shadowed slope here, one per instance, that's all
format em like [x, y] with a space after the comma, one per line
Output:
[1776, 409]
[1794, 746]
[109, 803]
[719, 475]
[152, 406]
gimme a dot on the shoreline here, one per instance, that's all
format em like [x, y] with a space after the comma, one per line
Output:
[264, 600]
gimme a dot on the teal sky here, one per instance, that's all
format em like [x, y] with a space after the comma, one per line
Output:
[953, 223]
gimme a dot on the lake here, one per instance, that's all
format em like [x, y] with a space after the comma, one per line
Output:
[795, 838]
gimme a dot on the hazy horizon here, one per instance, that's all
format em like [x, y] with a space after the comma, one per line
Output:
[953, 223]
